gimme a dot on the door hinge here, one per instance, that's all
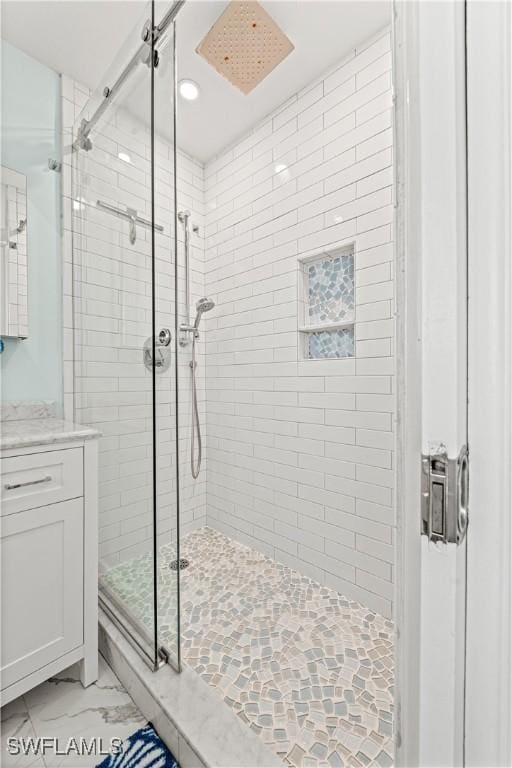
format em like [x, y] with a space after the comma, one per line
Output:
[444, 495]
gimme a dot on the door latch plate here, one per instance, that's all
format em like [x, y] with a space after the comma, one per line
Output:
[444, 495]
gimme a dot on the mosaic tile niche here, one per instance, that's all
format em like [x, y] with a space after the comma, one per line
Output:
[329, 301]
[304, 667]
[337, 343]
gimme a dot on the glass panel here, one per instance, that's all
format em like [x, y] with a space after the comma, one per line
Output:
[122, 184]
[337, 343]
[167, 540]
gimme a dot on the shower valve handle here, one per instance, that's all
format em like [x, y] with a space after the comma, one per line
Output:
[164, 337]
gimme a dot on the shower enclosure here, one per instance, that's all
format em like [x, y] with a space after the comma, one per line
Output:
[280, 542]
[126, 330]
[251, 292]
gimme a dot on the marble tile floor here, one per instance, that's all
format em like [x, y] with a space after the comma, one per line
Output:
[61, 708]
[310, 671]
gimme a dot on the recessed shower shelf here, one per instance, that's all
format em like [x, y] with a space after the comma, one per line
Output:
[327, 307]
[325, 326]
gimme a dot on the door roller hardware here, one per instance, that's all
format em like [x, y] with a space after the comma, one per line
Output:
[444, 495]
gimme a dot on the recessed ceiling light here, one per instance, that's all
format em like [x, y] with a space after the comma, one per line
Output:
[188, 90]
[124, 157]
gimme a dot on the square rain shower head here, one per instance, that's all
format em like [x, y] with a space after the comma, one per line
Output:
[245, 44]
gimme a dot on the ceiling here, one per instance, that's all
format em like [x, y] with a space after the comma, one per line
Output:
[82, 38]
[77, 37]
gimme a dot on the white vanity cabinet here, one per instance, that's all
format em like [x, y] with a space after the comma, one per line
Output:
[48, 559]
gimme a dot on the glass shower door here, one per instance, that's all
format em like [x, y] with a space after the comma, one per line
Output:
[123, 217]
[166, 334]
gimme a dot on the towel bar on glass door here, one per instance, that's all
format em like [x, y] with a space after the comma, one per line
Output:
[130, 215]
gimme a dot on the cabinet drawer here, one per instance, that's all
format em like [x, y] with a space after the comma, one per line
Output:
[38, 479]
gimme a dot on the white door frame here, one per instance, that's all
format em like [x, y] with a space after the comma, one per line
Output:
[429, 43]
[489, 628]
[429, 46]
[408, 400]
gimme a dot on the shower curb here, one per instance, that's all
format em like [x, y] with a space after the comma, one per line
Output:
[189, 716]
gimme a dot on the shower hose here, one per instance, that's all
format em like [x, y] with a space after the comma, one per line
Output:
[195, 462]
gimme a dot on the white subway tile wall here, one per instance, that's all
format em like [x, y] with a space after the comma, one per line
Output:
[108, 296]
[300, 454]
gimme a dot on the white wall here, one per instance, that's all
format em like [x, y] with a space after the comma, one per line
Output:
[300, 459]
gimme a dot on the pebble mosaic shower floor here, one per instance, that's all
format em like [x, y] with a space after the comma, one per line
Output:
[307, 669]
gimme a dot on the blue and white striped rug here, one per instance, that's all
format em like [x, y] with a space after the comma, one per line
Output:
[143, 749]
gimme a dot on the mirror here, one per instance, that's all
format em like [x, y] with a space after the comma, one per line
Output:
[14, 254]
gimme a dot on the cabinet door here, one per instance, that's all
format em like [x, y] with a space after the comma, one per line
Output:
[42, 587]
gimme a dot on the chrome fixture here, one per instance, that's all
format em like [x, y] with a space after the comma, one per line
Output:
[188, 329]
[12, 244]
[162, 351]
[143, 55]
[82, 140]
[202, 306]
[444, 495]
[20, 228]
[13, 486]
[165, 337]
[54, 165]
[185, 328]
[130, 215]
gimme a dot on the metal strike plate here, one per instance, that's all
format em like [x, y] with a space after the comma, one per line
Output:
[444, 495]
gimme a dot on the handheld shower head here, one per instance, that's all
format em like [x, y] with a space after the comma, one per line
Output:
[202, 306]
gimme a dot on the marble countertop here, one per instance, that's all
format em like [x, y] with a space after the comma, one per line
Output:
[23, 433]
